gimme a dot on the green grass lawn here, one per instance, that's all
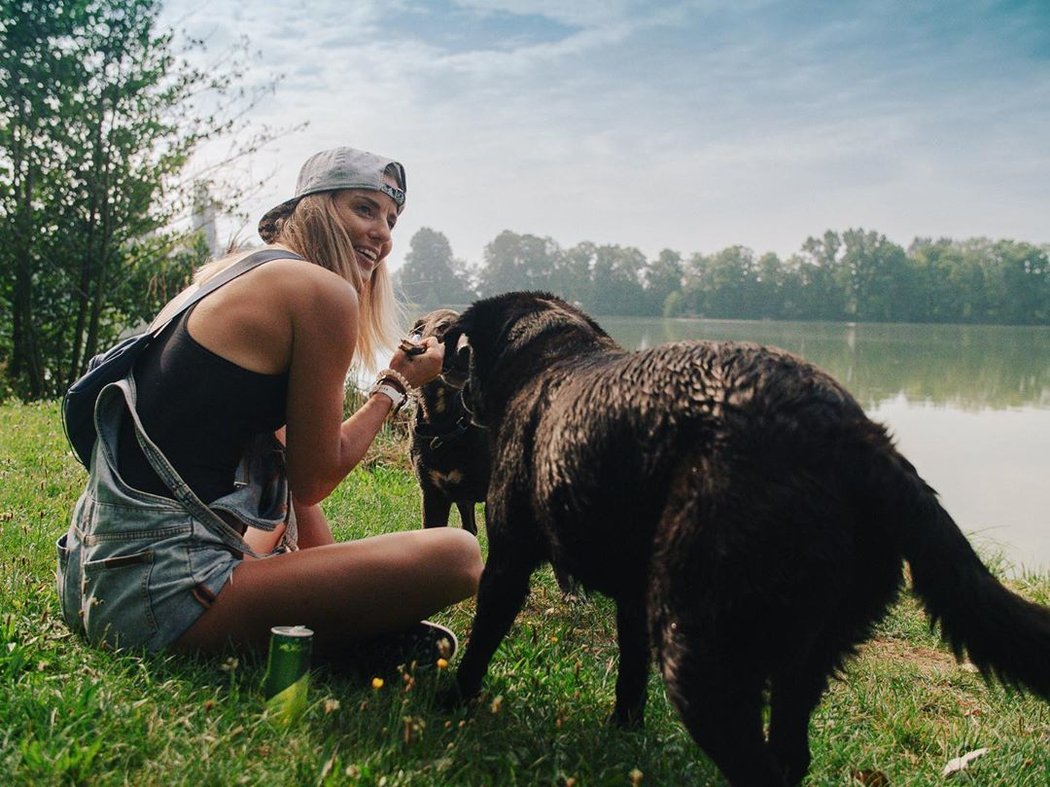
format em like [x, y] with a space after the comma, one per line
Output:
[73, 715]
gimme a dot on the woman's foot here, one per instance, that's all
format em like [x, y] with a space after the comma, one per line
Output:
[424, 646]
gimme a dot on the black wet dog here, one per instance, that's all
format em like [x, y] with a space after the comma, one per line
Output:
[449, 453]
[748, 519]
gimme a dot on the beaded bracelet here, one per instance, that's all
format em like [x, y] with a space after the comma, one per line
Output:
[395, 375]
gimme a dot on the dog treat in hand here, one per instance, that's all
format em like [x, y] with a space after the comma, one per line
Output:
[410, 347]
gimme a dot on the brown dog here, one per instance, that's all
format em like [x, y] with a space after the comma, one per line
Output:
[449, 453]
[748, 519]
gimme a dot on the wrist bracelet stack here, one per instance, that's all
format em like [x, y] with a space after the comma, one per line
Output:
[394, 386]
[396, 378]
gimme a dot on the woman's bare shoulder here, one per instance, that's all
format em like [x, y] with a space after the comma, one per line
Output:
[304, 284]
[255, 319]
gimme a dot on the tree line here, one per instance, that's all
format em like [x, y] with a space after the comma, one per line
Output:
[853, 275]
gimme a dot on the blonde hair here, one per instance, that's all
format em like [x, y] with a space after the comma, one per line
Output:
[314, 231]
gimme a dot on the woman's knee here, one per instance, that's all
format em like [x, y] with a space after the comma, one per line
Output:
[461, 554]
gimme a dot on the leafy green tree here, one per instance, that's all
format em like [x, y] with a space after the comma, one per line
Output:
[572, 272]
[730, 285]
[793, 295]
[572, 278]
[694, 273]
[616, 281]
[877, 277]
[939, 268]
[431, 277]
[519, 262]
[1019, 281]
[971, 282]
[662, 278]
[31, 90]
[826, 285]
[98, 118]
[770, 286]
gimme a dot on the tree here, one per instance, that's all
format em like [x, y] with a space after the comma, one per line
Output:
[430, 277]
[97, 123]
[616, 281]
[519, 262]
[770, 275]
[31, 85]
[694, 285]
[572, 272]
[949, 284]
[729, 286]
[876, 275]
[662, 278]
[826, 286]
[1019, 280]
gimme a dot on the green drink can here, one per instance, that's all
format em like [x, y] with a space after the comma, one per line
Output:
[288, 671]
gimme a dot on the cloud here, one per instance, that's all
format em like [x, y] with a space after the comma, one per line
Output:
[689, 125]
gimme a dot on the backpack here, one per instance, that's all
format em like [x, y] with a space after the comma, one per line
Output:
[78, 404]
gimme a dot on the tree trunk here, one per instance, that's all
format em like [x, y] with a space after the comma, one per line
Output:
[26, 369]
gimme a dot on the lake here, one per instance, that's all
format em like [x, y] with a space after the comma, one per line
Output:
[968, 405]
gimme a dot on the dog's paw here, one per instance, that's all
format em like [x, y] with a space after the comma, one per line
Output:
[571, 590]
[449, 699]
[454, 698]
[629, 720]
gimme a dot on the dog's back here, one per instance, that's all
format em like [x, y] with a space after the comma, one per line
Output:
[614, 435]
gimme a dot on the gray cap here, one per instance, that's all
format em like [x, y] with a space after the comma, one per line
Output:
[336, 169]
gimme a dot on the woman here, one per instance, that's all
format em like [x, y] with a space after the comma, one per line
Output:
[188, 467]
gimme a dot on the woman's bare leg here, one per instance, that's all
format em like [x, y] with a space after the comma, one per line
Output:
[345, 592]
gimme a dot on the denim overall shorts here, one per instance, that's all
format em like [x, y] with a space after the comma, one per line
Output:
[135, 570]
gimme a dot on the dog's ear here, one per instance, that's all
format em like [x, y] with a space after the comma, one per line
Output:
[453, 339]
[455, 369]
[463, 351]
[459, 373]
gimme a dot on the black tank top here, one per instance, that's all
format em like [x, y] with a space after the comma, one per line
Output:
[201, 410]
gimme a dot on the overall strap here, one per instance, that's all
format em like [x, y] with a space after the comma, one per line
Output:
[225, 276]
[125, 389]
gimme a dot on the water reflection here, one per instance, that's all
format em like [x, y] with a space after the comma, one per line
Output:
[968, 405]
[961, 366]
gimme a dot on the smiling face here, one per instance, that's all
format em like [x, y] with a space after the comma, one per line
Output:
[368, 217]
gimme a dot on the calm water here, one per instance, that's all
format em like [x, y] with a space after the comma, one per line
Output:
[968, 405]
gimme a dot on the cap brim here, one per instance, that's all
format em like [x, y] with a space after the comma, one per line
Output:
[268, 223]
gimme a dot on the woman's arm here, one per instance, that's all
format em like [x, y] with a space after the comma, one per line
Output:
[321, 447]
[323, 314]
[314, 530]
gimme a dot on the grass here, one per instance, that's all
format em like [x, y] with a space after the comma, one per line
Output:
[70, 714]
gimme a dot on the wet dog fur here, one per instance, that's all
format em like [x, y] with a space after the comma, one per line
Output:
[449, 453]
[749, 521]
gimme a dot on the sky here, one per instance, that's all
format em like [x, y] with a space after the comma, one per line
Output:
[692, 125]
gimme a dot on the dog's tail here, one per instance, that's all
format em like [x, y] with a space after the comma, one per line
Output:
[1004, 635]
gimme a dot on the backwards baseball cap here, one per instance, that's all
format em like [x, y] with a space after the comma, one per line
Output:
[332, 170]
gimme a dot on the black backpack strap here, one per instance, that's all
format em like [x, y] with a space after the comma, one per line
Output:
[225, 276]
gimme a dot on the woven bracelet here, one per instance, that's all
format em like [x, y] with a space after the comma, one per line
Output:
[394, 375]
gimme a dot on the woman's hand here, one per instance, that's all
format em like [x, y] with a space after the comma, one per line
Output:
[423, 367]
